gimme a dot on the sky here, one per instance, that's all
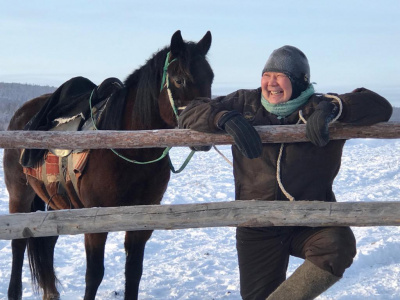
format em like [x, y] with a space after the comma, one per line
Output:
[349, 44]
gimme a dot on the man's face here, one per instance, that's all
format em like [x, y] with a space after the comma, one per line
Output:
[276, 87]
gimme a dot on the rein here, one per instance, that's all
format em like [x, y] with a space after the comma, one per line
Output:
[164, 83]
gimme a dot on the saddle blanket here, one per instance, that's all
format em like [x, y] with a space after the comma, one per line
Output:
[48, 169]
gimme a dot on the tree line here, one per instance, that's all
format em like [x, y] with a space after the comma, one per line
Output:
[13, 95]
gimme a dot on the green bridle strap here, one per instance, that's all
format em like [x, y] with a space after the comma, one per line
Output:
[164, 154]
[165, 79]
[165, 70]
[183, 165]
[166, 150]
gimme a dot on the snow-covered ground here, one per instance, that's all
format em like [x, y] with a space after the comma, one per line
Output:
[202, 263]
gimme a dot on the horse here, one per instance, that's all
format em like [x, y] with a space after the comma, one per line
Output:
[176, 74]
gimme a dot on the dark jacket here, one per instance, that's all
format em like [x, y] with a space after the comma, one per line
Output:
[307, 171]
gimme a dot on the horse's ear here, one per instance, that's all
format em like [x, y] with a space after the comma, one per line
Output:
[177, 44]
[204, 44]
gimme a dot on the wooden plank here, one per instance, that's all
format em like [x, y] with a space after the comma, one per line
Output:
[179, 137]
[235, 213]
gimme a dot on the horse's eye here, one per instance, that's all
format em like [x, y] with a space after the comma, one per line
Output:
[179, 82]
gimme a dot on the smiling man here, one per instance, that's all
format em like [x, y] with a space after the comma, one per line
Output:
[287, 172]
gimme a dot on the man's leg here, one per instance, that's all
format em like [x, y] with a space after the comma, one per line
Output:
[328, 252]
[329, 248]
[263, 256]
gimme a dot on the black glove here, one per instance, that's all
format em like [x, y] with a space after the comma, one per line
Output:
[245, 136]
[317, 130]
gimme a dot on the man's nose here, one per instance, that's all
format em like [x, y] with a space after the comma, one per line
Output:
[272, 80]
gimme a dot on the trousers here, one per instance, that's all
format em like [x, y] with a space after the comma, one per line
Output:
[263, 254]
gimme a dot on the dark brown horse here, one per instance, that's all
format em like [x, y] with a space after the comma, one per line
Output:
[107, 179]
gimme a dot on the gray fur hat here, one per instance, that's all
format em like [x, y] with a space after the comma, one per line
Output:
[292, 62]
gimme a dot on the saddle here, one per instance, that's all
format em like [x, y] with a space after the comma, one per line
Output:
[67, 109]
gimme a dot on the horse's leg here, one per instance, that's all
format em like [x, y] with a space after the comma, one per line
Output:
[94, 245]
[21, 196]
[18, 252]
[135, 242]
[50, 292]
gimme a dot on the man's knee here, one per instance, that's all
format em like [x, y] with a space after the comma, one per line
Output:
[333, 250]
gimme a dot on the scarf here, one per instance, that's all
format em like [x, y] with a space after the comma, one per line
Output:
[285, 109]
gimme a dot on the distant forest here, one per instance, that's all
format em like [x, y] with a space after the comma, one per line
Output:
[13, 95]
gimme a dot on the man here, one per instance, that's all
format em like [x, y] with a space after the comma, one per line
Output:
[287, 172]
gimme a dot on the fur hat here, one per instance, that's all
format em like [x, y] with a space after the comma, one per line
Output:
[293, 63]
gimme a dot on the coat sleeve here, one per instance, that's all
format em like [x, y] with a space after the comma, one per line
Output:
[364, 107]
[202, 114]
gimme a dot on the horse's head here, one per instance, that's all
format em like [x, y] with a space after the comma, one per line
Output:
[179, 72]
[186, 75]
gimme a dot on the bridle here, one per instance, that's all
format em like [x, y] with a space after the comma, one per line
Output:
[164, 83]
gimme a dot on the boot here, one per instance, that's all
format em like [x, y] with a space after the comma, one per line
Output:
[306, 283]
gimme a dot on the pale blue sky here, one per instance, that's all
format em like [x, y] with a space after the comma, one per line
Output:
[348, 43]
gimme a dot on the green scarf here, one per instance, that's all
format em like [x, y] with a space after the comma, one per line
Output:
[285, 109]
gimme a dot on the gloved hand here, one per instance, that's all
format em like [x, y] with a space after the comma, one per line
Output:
[245, 136]
[317, 130]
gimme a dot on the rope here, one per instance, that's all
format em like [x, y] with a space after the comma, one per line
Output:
[171, 100]
[183, 165]
[165, 152]
[223, 156]
[164, 82]
[338, 101]
[165, 70]
[301, 118]
[278, 175]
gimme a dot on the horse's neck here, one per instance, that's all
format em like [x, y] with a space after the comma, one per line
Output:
[132, 123]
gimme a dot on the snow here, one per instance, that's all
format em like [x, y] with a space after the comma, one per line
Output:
[202, 263]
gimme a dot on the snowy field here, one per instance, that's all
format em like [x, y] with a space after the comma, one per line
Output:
[202, 263]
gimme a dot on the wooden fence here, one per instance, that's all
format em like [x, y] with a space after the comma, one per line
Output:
[180, 137]
[234, 213]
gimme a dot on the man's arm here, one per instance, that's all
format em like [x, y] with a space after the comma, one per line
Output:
[219, 115]
[360, 107]
[364, 107]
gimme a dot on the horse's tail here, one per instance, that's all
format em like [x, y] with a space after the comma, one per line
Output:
[41, 254]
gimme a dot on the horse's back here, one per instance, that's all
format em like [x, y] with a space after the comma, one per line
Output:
[26, 112]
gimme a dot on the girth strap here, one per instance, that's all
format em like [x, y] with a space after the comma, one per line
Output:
[72, 174]
[62, 184]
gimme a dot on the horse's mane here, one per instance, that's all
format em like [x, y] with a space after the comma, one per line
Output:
[145, 83]
[113, 113]
[145, 80]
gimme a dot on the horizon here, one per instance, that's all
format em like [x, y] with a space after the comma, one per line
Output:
[392, 94]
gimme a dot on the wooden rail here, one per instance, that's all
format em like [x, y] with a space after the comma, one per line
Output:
[247, 213]
[179, 137]
[236, 213]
